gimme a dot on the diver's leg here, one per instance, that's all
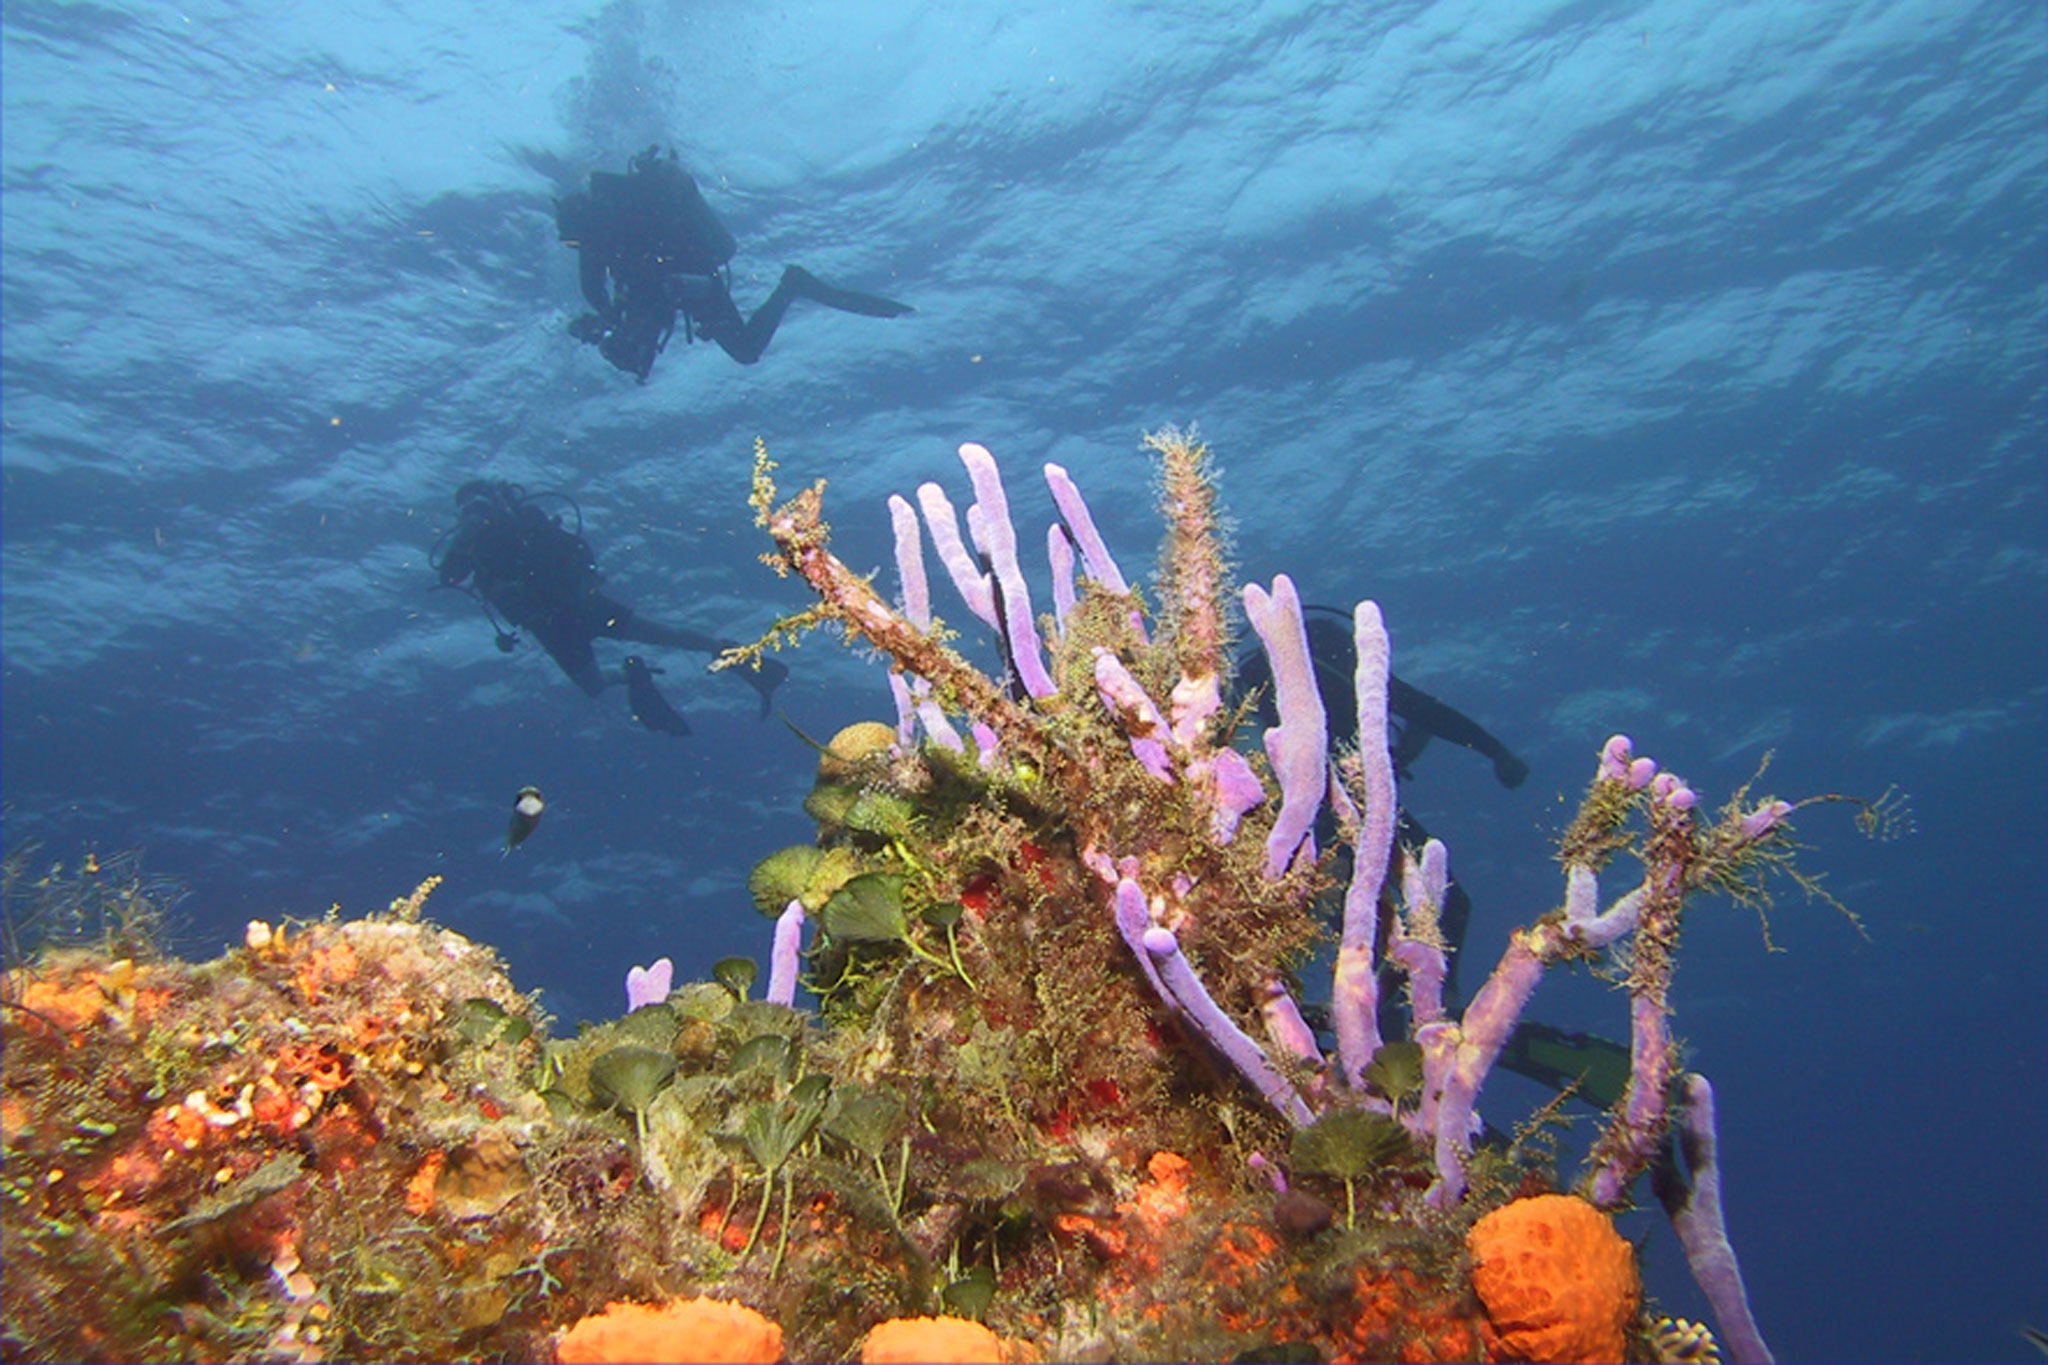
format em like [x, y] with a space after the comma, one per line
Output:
[573, 654]
[1419, 709]
[746, 343]
[764, 677]
[627, 624]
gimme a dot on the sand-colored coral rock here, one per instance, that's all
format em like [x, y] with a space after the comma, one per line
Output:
[1559, 1283]
[680, 1330]
[481, 1178]
[843, 755]
[914, 1341]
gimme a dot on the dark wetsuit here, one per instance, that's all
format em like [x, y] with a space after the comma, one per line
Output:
[541, 577]
[652, 252]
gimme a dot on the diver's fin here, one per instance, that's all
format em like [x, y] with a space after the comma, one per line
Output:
[1557, 1058]
[764, 675]
[808, 286]
[650, 708]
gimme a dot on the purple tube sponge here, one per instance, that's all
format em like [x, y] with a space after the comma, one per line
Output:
[1133, 918]
[1614, 758]
[968, 579]
[917, 592]
[1632, 1141]
[1185, 989]
[1425, 881]
[648, 985]
[786, 956]
[913, 695]
[1297, 747]
[1692, 1198]
[1585, 923]
[999, 539]
[1354, 999]
[1095, 556]
[1233, 790]
[1369, 684]
[1285, 1025]
[1059, 552]
[1138, 716]
[1765, 818]
[1468, 1050]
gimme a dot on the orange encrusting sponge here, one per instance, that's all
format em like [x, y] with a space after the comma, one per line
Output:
[680, 1330]
[1559, 1283]
[915, 1341]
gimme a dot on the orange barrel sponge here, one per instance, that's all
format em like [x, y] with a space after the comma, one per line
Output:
[1558, 1282]
[921, 1341]
[679, 1330]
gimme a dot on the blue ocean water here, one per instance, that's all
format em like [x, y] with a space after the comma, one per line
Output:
[1675, 368]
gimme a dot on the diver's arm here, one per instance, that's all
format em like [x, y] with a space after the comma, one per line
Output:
[590, 273]
[458, 561]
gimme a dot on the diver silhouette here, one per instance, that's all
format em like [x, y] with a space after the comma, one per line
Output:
[651, 250]
[522, 565]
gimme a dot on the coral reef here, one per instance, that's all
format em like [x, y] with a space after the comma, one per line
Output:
[1056, 1091]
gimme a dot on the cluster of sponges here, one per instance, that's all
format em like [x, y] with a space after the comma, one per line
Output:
[716, 1330]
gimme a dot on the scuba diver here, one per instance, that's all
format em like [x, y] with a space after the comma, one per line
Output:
[650, 249]
[530, 572]
[1555, 1057]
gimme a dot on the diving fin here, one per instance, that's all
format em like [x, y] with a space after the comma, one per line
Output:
[1558, 1058]
[809, 286]
[764, 675]
[650, 708]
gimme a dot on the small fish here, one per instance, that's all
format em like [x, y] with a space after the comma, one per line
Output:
[526, 813]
